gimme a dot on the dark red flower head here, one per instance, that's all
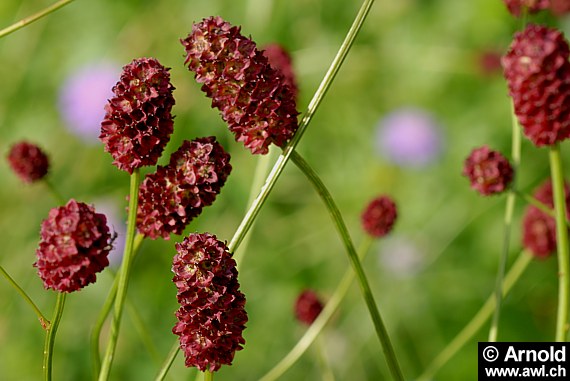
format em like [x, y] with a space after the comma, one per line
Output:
[489, 62]
[28, 161]
[74, 245]
[211, 317]
[138, 122]
[533, 6]
[175, 194]
[538, 75]
[308, 307]
[251, 96]
[488, 171]
[280, 60]
[559, 7]
[379, 217]
[539, 229]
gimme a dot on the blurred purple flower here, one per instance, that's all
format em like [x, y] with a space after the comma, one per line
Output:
[409, 137]
[83, 97]
[400, 256]
[117, 225]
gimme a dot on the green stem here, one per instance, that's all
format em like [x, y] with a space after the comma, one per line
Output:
[277, 169]
[542, 207]
[502, 267]
[562, 242]
[534, 202]
[168, 362]
[381, 331]
[55, 194]
[96, 331]
[508, 221]
[317, 327]
[43, 321]
[326, 370]
[478, 320]
[258, 179]
[36, 16]
[50, 335]
[104, 312]
[208, 376]
[123, 277]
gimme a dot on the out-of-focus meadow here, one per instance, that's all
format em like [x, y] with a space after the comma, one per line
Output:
[413, 84]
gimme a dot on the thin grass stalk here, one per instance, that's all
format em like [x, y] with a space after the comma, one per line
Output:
[381, 332]
[36, 16]
[123, 277]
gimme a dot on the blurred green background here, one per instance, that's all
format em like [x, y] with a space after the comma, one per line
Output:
[421, 54]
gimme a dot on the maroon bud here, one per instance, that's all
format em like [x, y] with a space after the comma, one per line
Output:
[516, 7]
[28, 162]
[488, 171]
[539, 229]
[308, 307]
[74, 245]
[379, 217]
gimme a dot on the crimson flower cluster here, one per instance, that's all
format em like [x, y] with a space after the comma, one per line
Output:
[307, 307]
[379, 217]
[28, 161]
[516, 7]
[538, 75]
[280, 60]
[74, 245]
[559, 7]
[250, 94]
[488, 171]
[175, 194]
[211, 317]
[539, 229]
[138, 120]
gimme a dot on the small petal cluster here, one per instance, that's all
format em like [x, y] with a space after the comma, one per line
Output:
[138, 120]
[538, 75]
[251, 96]
[175, 194]
[539, 229]
[280, 60]
[379, 217]
[211, 317]
[488, 171]
[516, 7]
[74, 245]
[308, 307]
[28, 161]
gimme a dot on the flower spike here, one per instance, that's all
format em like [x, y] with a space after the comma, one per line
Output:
[211, 317]
[138, 120]
[538, 75]
[175, 194]
[252, 97]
